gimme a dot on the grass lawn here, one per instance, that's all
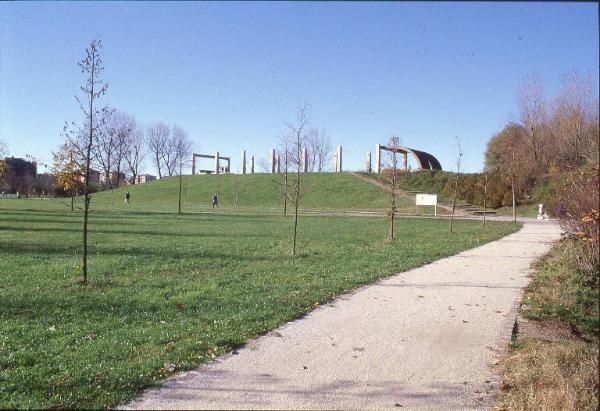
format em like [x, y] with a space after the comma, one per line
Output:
[168, 292]
[553, 363]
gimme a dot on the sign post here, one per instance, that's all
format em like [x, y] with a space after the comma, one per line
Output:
[426, 199]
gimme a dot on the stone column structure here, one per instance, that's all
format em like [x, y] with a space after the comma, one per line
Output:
[193, 164]
[339, 159]
[304, 160]
[278, 164]
[243, 162]
[368, 161]
[252, 165]
[378, 158]
[405, 160]
[217, 162]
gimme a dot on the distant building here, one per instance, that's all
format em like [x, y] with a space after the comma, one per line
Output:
[116, 179]
[94, 178]
[144, 178]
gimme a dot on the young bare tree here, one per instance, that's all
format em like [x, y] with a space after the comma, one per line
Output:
[459, 155]
[158, 136]
[392, 166]
[319, 149]
[135, 153]
[510, 161]
[94, 117]
[296, 140]
[183, 152]
[285, 156]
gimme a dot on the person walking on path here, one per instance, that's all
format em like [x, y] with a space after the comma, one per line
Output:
[127, 196]
[215, 201]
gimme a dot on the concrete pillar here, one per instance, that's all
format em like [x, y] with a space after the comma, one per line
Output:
[368, 161]
[405, 159]
[278, 164]
[193, 164]
[304, 160]
[217, 162]
[335, 162]
[243, 161]
[273, 161]
[252, 165]
[378, 157]
[339, 158]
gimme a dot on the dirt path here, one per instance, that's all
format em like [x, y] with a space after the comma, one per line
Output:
[404, 194]
[423, 339]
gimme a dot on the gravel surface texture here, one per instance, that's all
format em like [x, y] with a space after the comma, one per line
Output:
[427, 338]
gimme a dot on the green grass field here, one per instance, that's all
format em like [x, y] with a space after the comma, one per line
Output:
[169, 292]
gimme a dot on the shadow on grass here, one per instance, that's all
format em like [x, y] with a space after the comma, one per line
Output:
[135, 252]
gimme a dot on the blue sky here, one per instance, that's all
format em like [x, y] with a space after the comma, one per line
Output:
[232, 73]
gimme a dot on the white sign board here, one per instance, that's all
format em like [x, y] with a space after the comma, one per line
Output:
[427, 199]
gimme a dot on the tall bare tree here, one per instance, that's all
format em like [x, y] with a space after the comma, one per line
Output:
[103, 149]
[135, 153]
[297, 136]
[533, 110]
[158, 135]
[122, 125]
[459, 156]
[392, 164]
[85, 134]
[319, 149]
[575, 121]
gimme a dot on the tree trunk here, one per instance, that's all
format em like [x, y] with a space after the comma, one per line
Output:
[285, 193]
[484, 199]
[454, 202]
[86, 195]
[514, 208]
[180, 178]
[72, 200]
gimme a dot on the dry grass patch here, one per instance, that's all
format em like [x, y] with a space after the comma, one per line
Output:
[541, 375]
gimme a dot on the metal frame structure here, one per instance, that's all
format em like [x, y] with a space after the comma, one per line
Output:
[217, 158]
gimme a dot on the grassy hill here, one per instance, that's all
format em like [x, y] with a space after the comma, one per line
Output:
[327, 191]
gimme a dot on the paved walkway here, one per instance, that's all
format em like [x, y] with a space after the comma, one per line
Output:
[423, 339]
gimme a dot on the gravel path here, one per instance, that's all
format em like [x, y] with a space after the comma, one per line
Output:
[423, 339]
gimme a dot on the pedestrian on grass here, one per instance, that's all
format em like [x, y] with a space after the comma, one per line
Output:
[215, 200]
[127, 196]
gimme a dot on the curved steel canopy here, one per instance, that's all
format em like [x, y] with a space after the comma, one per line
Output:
[426, 161]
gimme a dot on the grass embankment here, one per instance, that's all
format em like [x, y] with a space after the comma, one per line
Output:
[553, 364]
[168, 292]
[326, 191]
